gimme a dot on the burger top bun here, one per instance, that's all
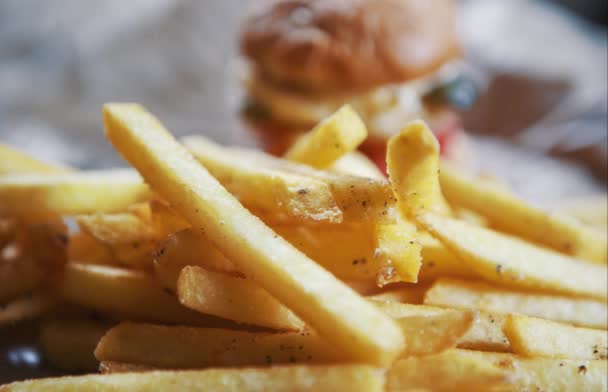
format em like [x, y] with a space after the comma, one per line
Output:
[320, 46]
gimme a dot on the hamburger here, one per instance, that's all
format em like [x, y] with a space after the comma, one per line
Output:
[392, 60]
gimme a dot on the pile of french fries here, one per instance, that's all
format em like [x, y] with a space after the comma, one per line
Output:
[218, 268]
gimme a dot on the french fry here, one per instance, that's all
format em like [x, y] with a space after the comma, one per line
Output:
[69, 344]
[165, 220]
[317, 297]
[131, 239]
[267, 190]
[513, 262]
[429, 330]
[173, 347]
[534, 337]
[412, 163]
[486, 334]
[382, 254]
[474, 295]
[356, 198]
[26, 307]
[184, 248]
[410, 294]
[126, 294]
[438, 261]
[336, 135]
[41, 195]
[233, 298]
[84, 249]
[452, 370]
[13, 161]
[357, 164]
[547, 374]
[508, 213]
[354, 378]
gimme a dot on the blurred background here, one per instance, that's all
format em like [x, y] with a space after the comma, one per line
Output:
[541, 69]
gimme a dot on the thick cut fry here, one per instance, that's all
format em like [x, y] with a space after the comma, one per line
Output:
[508, 213]
[513, 262]
[184, 248]
[412, 163]
[69, 344]
[83, 248]
[315, 295]
[471, 295]
[357, 164]
[357, 252]
[131, 238]
[233, 298]
[265, 190]
[410, 294]
[429, 330]
[187, 347]
[287, 378]
[438, 261]
[534, 337]
[126, 294]
[165, 220]
[547, 374]
[356, 198]
[486, 334]
[338, 134]
[26, 307]
[452, 370]
[34, 195]
[13, 162]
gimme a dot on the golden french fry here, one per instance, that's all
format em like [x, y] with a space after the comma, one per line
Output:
[508, 213]
[187, 247]
[242, 171]
[513, 262]
[267, 190]
[413, 163]
[84, 249]
[356, 378]
[131, 238]
[357, 164]
[474, 295]
[452, 370]
[69, 344]
[126, 294]
[534, 337]
[326, 304]
[165, 220]
[233, 298]
[486, 334]
[547, 374]
[13, 161]
[336, 135]
[410, 294]
[438, 261]
[429, 330]
[173, 347]
[26, 307]
[357, 252]
[34, 195]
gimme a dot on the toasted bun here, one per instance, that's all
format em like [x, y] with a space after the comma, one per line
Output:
[337, 45]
